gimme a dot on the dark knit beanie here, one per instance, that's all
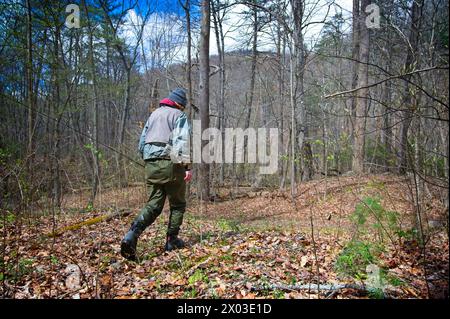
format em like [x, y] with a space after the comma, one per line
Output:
[178, 95]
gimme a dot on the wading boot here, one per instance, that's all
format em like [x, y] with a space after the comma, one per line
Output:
[129, 242]
[173, 242]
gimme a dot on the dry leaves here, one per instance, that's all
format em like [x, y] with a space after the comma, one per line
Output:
[216, 263]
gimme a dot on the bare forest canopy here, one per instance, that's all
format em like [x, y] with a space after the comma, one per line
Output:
[353, 91]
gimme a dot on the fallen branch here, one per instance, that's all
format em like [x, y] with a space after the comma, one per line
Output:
[88, 222]
[89, 188]
[315, 287]
[331, 288]
[191, 271]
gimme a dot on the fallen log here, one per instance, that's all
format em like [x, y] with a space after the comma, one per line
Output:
[90, 221]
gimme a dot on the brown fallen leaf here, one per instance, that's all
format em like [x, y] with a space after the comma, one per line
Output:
[304, 260]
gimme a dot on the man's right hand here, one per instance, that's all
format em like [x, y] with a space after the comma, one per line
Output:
[188, 176]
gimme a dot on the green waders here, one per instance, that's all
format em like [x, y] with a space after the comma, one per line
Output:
[164, 179]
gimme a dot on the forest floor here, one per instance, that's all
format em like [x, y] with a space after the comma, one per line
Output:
[261, 245]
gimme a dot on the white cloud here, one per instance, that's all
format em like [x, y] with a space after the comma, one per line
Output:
[163, 39]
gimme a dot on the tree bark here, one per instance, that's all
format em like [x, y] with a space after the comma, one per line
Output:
[363, 94]
[94, 134]
[410, 64]
[355, 56]
[249, 101]
[204, 95]
[56, 114]
[297, 89]
[221, 103]
[29, 77]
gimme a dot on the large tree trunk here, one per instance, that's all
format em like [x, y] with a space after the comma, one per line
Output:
[297, 90]
[362, 94]
[204, 95]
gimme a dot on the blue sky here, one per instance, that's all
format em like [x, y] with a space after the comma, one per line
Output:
[168, 6]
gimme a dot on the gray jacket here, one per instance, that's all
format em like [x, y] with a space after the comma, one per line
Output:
[161, 124]
[169, 126]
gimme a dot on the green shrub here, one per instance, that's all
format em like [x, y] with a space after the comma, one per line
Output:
[7, 218]
[370, 218]
[228, 225]
[197, 276]
[15, 272]
[190, 293]
[354, 258]
[369, 215]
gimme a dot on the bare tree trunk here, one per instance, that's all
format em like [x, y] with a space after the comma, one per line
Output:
[29, 77]
[419, 183]
[253, 66]
[187, 10]
[308, 161]
[123, 119]
[363, 94]
[189, 56]
[443, 133]
[280, 96]
[94, 134]
[297, 90]
[154, 97]
[325, 145]
[387, 129]
[286, 166]
[411, 59]
[355, 57]
[249, 101]
[387, 134]
[293, 128]
[204, 94]
[281, 52]
[249, 97]
[221, 105]
[56, 172]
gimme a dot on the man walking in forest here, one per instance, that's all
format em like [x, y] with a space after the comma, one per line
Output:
[164, 146]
